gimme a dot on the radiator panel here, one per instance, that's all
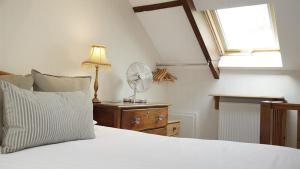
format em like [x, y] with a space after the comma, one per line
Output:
[239, 122]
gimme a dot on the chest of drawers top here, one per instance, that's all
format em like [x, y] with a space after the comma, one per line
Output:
[123, 105]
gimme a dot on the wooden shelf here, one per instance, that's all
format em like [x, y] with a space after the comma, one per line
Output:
[218, 97]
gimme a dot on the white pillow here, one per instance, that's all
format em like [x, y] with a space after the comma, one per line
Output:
[52, 83]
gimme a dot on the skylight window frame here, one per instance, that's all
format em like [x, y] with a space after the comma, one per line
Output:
[215, 25]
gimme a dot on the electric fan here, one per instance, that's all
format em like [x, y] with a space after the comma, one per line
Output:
[139, 78]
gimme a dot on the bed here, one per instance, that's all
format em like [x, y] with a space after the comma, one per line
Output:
[124, 149]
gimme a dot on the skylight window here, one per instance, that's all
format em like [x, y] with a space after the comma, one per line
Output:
[244, 29]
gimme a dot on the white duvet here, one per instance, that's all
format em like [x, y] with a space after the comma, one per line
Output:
[122, 149]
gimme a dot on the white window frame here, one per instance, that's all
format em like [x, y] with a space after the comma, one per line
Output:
[214, 23]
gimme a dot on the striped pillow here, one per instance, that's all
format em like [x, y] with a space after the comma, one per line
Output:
[24, 82]
[38, 118]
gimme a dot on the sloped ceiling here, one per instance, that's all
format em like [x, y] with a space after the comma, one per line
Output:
[146, 2]
[172, 35]
[288, 27]
[173, 38]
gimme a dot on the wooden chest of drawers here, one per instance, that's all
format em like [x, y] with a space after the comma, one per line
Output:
[148, 118]
[173, 128]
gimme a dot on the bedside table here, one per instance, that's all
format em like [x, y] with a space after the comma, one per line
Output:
[149, 118]
[173, 128]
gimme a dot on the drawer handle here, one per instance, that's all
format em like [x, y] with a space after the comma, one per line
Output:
[161, 117]
[136, 120]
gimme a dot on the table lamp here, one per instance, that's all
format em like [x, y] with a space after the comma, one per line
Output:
[97, 58]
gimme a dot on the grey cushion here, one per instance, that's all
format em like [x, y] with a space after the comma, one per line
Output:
[24, 82]
[38, 118]
[51, 83]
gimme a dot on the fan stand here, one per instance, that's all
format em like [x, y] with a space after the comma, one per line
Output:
[132, 99]
[134, 94]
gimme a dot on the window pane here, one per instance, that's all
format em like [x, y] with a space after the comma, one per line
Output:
[247, 28]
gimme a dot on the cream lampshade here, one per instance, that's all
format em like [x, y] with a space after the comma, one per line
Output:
[97, 58]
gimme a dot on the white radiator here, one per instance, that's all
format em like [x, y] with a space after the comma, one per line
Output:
[239, 122]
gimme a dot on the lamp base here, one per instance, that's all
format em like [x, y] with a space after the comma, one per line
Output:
[96, 100]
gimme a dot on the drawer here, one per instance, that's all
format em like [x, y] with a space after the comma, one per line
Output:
[160, 131]
[142, 119]
[106, 117]
[173, 129]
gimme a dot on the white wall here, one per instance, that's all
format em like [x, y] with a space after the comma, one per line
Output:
[190, 93]
[54, 36]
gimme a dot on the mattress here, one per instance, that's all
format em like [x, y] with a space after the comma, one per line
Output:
[123, 149]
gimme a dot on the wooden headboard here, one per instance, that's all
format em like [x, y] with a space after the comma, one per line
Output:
[4, 73]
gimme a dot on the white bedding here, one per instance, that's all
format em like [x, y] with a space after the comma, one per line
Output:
[122, 149]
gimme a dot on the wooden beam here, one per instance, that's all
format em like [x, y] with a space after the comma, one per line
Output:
[214, 70]
[157, 6]
[189, 8]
